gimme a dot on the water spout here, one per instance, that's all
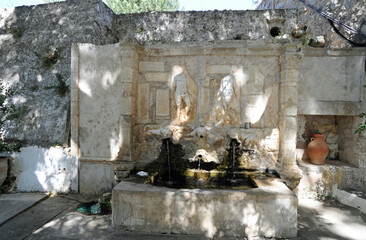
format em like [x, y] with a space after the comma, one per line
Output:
[233, 156]
[199, 161]
[168, 155]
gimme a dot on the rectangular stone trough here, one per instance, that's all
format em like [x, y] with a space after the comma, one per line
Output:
[267, 211]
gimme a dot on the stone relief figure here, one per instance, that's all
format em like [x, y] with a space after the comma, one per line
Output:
[184, 89]
[227, 91]
[227, 104]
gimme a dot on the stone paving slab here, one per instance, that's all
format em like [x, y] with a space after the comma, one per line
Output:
[74, 225]
[24, 224]
[15, 203]
[329, 219]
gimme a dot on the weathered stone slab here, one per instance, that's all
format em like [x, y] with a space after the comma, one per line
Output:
[157, 77]
[337, 78]
[13, 204]
[221, 69]
[151, 66]
[162, 103]
[143, 102]
[96, 178]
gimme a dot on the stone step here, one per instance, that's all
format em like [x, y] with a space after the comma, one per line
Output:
[318, 180]
[352, 198]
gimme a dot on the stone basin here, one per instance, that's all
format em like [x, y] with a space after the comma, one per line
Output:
[270, 210]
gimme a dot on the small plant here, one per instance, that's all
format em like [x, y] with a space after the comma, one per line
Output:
[10, 146]
[61, 88]
[305, 40]
[50, 58]
[17, 33]
[280, 35]
[14, 112]
[324, 197]
[362, 125]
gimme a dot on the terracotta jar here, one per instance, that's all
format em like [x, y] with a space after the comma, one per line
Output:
[318, 149]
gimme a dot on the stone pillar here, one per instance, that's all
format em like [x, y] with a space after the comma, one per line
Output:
[289, 75]
[129, 75]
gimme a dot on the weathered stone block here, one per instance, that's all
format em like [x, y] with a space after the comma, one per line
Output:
[204, 100]
[126, 106]
[124, 165]
[219, 69]
[96, 178]
[151, 66]
[160, 77]
[143, 101]
[127, 74]
[162, 103]
[291, 75]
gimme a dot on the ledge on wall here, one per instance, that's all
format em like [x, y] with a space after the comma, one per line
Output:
[320, 180]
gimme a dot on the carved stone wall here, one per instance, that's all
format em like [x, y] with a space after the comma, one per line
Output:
[197, 94]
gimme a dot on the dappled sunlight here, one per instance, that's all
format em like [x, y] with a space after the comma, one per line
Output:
[8, 17]
[109, 79]
[45, 170]
[74, 225]
[176, 70]
[332, 220]
[240, 76]
[254, 114]
[85, 88]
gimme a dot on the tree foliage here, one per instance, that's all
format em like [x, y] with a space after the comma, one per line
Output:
[134, 6]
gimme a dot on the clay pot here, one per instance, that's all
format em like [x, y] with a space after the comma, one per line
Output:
[318, 149]
[3, 169]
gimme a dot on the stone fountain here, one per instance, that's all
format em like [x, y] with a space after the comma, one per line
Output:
[211, 123]
[213, 175]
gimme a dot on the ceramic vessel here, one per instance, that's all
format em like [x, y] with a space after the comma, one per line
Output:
[318, 149]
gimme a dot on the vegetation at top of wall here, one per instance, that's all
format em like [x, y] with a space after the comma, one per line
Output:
[135, 6]
[61, 88]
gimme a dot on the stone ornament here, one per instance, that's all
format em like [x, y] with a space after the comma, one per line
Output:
[205, 156]
[169, 131]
